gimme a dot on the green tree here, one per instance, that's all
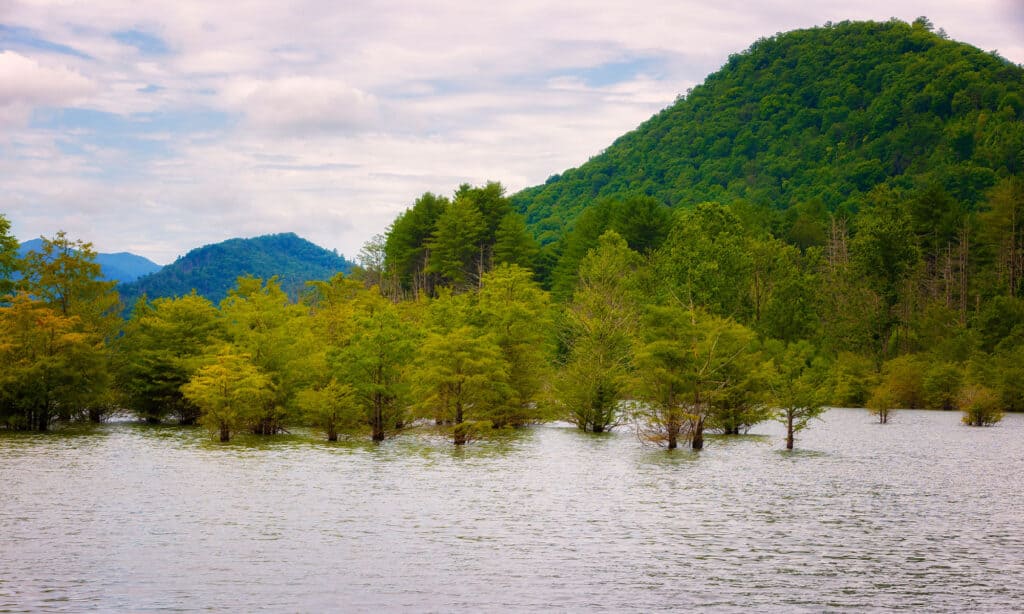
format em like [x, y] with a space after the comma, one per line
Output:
[797, 388]
[706, 263]
[9, 261]
[601, 323]
[516, 312]
[65, 275]
[689, 363]
[231, 393]
[374, 361]
[330, 407]
[513, 243]
[406, 253]
[941, 384]
[883, 402]
[1002, 229]
[162, 345]
[460, 377]
[457, 248]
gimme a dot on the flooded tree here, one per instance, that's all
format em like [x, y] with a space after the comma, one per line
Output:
[797, 388]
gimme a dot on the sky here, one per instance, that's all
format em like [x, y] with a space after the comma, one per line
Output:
[158, 127]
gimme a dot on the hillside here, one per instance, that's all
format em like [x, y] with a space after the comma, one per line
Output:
[213, 269]
[822, 115]
[122, 267]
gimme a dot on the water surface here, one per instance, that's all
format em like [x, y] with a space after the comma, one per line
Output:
[919, 514]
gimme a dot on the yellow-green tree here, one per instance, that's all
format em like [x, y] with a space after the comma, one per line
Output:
[331, 407]
[52, 369]
[261, 322]
[231, 393]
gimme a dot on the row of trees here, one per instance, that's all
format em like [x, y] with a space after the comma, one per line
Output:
[628, 346]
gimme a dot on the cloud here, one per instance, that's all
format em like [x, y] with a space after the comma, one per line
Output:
[25, 83]
[302, 105]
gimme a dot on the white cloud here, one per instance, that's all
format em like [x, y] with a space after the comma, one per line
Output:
[302, 104]
[25, 83]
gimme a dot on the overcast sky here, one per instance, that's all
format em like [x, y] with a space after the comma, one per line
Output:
[157, 127]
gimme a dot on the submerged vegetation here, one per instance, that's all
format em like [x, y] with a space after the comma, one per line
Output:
[832, 219]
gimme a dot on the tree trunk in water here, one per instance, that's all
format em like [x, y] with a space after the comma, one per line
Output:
[332, 433]
[225, 432]
[460, 433]
[378, 418]
[673, 442]
[789, 431]
[697, 443]
[597, 428]
[95, 414]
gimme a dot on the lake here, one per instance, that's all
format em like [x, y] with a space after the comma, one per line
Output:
[919, 514]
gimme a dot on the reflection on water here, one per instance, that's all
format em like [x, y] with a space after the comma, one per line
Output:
[920, 514]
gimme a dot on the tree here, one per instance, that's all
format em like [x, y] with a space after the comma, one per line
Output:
[231, 393]
[65, 275]
[372, 258]
[1002, 228]
[460, 377]
[882, 402]
[457, 244]
[942, 382]
[406, 251]
[980, 405]
[262, 323]
[163, 344]
[705, 261]
[513, 243]
[516, 312]
[797, 388]
[600, 326]
[373, 362]
[331, 407]
[51, 368]
[688, 364]
[9, 261]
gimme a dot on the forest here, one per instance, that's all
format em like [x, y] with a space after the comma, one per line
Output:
[833, 219]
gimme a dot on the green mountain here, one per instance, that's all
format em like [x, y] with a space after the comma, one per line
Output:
[212, 270]
[122, 267]
[817, 117]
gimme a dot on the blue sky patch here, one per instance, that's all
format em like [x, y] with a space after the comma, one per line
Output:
[22, 38]
[146, 43]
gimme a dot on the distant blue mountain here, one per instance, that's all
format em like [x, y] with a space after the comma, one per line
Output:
[212, 270]
[121, 267]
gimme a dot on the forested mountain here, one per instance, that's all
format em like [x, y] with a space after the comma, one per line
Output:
[816, 119]
[212, 270]
[121, 267]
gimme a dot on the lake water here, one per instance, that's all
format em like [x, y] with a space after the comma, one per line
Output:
[919, 514]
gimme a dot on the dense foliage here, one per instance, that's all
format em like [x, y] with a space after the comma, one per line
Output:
[814, 118]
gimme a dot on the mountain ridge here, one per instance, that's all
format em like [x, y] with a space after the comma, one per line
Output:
[825, 113]
[212, 270]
